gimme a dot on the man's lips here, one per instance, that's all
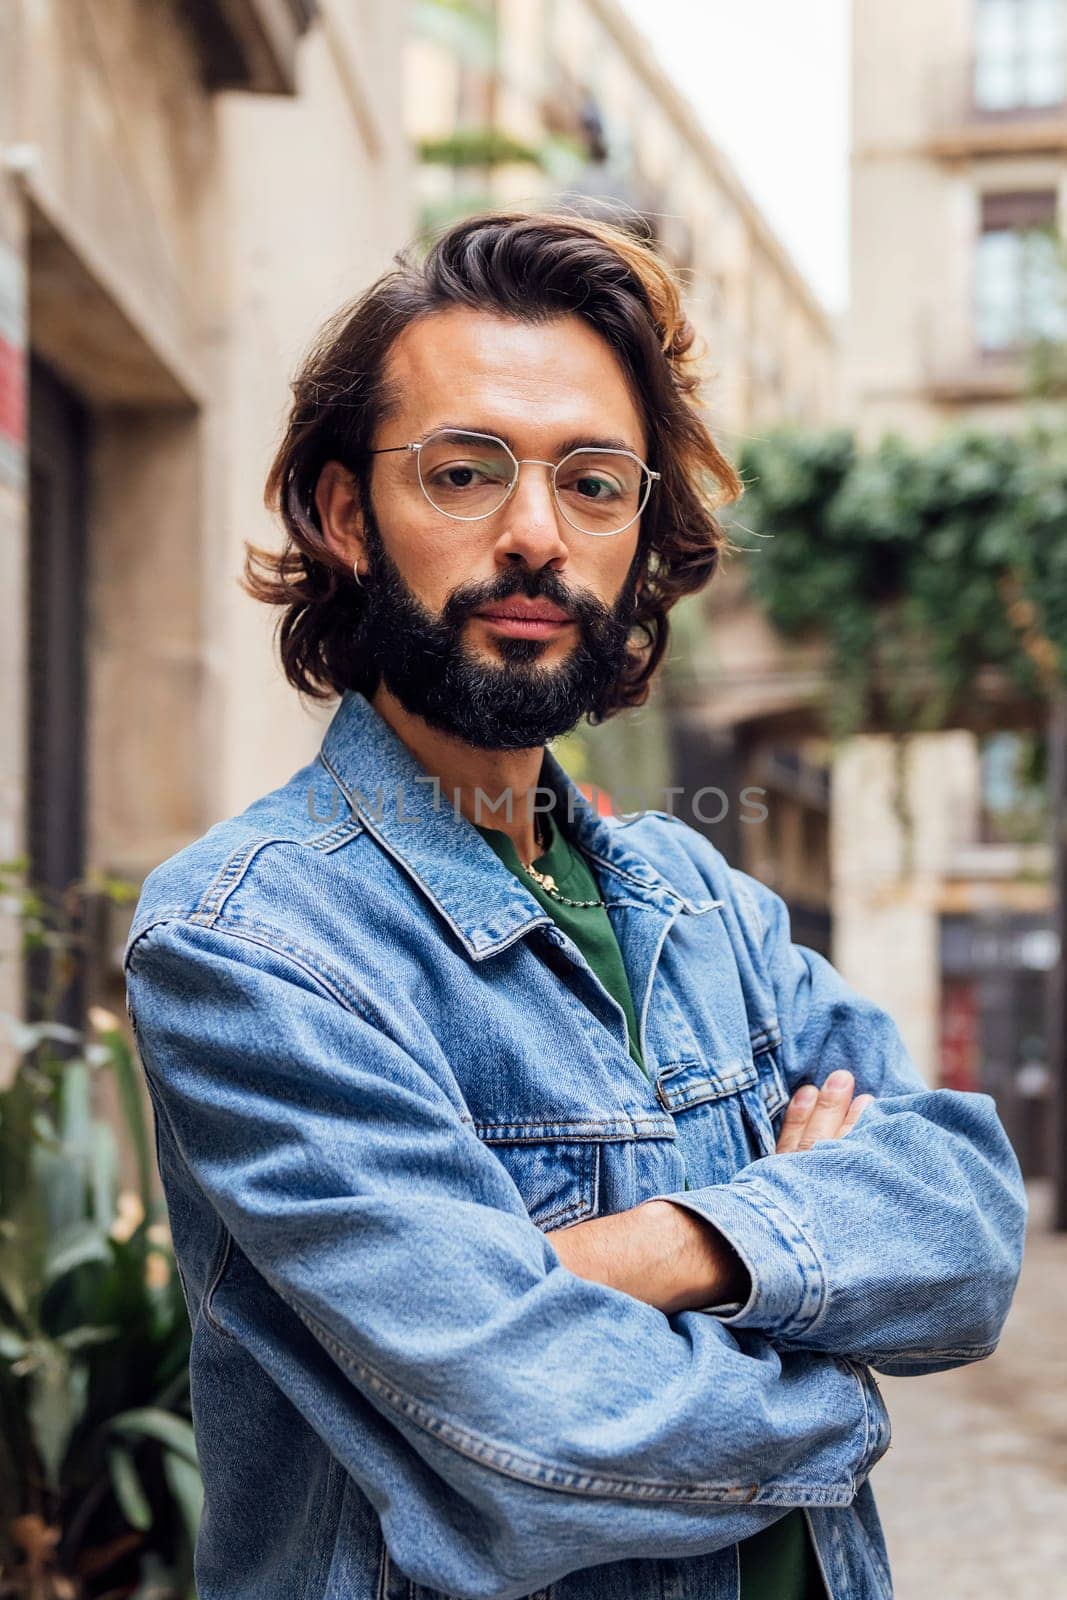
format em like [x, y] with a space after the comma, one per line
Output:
[532, 619]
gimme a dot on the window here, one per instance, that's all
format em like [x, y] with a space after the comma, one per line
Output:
[1020, 54]
[1013, 789]
[1019, 274]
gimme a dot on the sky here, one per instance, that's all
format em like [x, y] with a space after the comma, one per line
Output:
[769, 78]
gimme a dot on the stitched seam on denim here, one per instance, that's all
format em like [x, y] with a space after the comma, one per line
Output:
[768, 1033]
[528, 1468]
[772, 1084]
[967, 1352]
[767, 1037]
[642, 1019]
[712, 1088]
[540, 1132]
[341, 834]
[577, 1210]
[638, 905]
[659, 886]
[233, 869]
[226, 879]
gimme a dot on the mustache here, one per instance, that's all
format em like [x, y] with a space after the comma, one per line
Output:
[532, 585]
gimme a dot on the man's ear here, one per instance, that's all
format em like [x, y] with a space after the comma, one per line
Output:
[337, 502]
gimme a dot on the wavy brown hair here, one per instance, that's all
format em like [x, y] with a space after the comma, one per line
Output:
[536, 267]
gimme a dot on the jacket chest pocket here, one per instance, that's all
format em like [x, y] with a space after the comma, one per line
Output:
[727, 1115]
[554, 1166]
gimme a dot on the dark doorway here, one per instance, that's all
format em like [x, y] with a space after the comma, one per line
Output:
[56, 646]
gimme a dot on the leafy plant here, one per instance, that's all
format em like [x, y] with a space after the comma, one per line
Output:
[478, 147]
[100, 1493]
[921, 567]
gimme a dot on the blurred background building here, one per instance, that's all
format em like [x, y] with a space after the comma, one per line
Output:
[187, 189]
[959, 179]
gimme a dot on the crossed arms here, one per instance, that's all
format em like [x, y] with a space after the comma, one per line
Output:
[531, 1421]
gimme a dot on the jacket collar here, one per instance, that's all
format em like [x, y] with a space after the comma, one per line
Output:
[412, 818]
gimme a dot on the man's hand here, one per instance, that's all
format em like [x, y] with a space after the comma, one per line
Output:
[826, 1113]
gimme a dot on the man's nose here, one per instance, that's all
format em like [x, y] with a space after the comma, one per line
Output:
[529, 521]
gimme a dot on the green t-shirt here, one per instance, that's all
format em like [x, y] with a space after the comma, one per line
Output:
[589, 926]
[779, 1562]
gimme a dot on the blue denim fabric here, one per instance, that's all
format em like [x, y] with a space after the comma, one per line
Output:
[379, 1073]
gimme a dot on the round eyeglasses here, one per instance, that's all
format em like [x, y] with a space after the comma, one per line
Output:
[468, 476]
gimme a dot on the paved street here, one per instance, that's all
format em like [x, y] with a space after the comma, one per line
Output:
[973, 1490]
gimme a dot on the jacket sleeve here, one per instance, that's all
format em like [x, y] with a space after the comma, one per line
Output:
[530, 1422]
[900, 1245]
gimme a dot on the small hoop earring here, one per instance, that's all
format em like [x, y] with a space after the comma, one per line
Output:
[355, 573]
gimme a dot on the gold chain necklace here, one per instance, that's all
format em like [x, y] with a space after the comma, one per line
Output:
[548, 882]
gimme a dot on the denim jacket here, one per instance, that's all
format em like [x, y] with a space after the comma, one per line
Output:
[380, 1075]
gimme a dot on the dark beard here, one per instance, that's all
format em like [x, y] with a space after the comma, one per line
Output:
[516, 705]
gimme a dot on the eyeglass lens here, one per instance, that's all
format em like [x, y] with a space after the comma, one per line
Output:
[468, 475]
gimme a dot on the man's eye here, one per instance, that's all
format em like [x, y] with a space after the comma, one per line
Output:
[464, 475]
[593, 488]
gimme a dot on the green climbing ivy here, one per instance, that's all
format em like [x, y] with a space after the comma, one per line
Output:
[920, 566]
[478, 147]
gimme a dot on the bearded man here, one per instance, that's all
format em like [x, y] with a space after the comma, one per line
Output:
[543, 1212]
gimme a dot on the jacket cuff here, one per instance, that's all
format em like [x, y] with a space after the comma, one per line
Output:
[788, 1278]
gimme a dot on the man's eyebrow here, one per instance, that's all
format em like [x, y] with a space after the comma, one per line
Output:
[564, 447]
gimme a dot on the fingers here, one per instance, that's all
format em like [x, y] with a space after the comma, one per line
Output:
[855, 1111]
[826, 1113]
[796, 1117]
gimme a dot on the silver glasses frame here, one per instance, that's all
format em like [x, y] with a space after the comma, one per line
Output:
[415, 448]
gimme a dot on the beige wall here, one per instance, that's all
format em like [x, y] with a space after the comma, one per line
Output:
[887, 872]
